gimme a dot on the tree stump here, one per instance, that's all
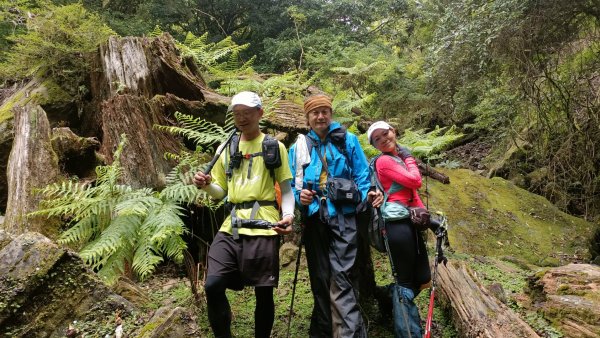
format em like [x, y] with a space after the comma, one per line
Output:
[32, 164]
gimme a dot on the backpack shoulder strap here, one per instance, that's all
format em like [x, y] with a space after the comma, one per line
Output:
[338, 138]
[309, 144]
[395, 187]
[233, 149]
[270, 153]
[373, 169]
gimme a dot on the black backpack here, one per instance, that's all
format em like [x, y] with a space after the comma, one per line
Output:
[376, 224]
[270, 154]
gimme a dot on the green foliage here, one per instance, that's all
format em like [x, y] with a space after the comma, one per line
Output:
[422, 144]
[117, 226]
[13, 20]
[204, 135]
[425, 144]
[56, 44]
[219, 60]
[198, 130]
[224, 70]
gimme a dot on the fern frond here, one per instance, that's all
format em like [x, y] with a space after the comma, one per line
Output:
[196, 129]
[121, 230]
[181, 193]
[82, 231]
[426, 144]
[231, 86]
[113, 266]
[138, 205]
[119, 224]
[344, 102]
[155, 32]
[145, 259]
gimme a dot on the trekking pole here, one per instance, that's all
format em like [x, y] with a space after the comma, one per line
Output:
[294, 283]
[304, 217]
[441, 232]
[220, 149]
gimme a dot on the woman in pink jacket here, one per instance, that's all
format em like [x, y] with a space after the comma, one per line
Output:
[400, 178]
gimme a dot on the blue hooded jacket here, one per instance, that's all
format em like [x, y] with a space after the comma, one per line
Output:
[357, 170]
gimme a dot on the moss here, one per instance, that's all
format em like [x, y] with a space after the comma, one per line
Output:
[149, 328]
[563, 289]
[493, 217]
[6, 110]
[53, 93]
[48, 92]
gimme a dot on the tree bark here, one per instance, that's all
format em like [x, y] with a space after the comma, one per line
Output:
[427, 170]
[476, 313]
[142, 159]
[32, 164]
[568, 296]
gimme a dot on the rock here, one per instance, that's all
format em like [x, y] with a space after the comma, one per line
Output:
[131, 291]
[288, 254]
[497, 291]
[5, 238]
[168, 322]
[44, 289]
[568, 296]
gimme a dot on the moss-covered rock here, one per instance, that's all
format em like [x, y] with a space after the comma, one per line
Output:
[169, 322]
[44, 289]
[495, 217]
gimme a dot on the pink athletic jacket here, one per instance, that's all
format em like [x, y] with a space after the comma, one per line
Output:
[389, 170]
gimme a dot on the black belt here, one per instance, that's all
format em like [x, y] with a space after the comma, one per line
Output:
[250, 204]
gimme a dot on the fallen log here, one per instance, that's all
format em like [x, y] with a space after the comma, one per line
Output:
[427, 170]
[475, 311]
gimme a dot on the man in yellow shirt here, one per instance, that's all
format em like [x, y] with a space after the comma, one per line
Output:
[240, 254]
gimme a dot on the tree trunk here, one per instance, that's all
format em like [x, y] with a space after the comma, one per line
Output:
[568, 296]
[142, 159]
[476, 313]
[32, 164]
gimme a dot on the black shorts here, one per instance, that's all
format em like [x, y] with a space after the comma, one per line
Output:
[251, 260]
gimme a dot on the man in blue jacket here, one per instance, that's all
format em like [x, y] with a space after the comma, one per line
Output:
[326, 154]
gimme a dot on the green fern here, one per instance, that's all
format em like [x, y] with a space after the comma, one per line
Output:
[426, 144]
[422, 144]
[157, 31]
[200, 131]
[179, 180]
[117, 226]
[219, 60]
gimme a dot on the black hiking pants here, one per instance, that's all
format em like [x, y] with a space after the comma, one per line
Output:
[330, 255]
[409, 254]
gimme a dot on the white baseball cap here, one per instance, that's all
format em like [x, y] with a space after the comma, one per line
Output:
[375, 126]
[249, 99]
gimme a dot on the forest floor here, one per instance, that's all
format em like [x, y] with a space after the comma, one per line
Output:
[170, 287]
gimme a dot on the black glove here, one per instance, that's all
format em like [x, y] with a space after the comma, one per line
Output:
[403, 152]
